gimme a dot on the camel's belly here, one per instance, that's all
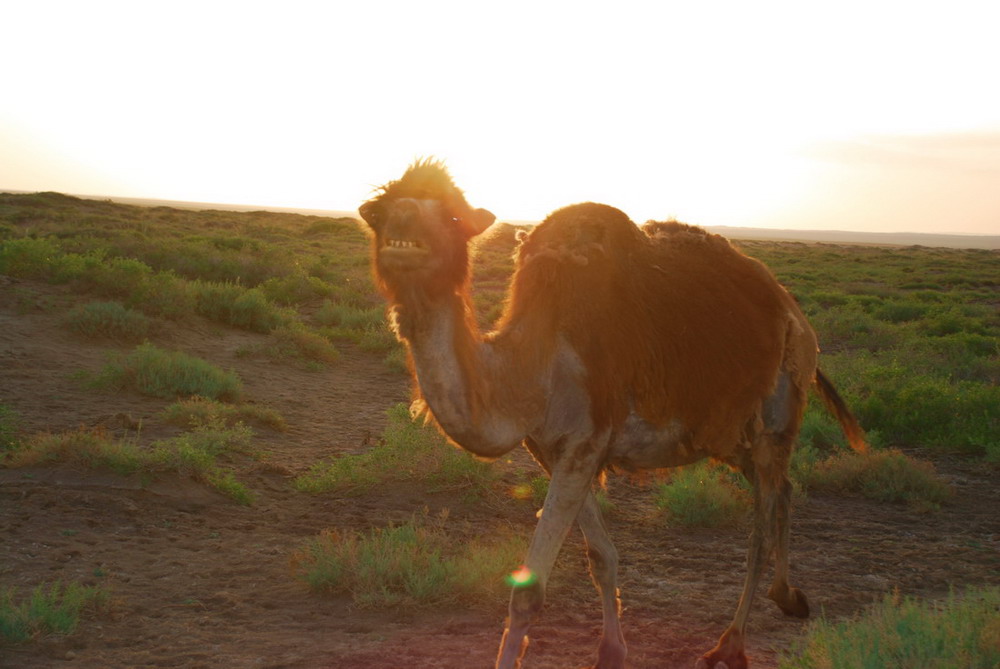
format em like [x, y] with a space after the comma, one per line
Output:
[642, 445]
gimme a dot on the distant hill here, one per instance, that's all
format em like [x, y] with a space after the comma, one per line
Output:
[813, 236]
[867, 238]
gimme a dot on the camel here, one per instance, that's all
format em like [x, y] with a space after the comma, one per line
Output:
[620, 348]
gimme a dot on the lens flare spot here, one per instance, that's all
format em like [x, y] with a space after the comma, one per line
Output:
[521, 577]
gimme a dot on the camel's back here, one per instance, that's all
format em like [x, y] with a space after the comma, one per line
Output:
[670, 321]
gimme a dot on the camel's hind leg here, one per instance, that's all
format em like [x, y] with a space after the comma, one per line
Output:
[766, 469]
[790, 600]
[603, 559]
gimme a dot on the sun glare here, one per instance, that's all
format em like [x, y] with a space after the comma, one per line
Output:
[732, 184]
[660, 111]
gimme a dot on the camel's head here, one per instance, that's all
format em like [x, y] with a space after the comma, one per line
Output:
[422, 226]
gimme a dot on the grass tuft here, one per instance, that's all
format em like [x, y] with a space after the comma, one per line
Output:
[195, 454]
[108, 319]
[414, 564]
[961, 631]
[702, 495]
[53, 609]
[236, 305]
[196, 411]
[409, 450]
[153, 371]
[93, 449]
[885, 476]
[299, 343]
[9, 429]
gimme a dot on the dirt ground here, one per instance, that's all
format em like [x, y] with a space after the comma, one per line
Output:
[200, 581]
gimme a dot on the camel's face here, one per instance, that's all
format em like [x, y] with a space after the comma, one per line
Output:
[420, 238]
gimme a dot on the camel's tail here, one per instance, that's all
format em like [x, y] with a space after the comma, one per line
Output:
[848, 423]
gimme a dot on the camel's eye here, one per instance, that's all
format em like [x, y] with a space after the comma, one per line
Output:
[371, 213]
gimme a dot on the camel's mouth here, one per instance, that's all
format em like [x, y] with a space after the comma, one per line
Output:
[403, 251]
[403, 244]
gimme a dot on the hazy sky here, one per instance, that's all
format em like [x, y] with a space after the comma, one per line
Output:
[867, 115]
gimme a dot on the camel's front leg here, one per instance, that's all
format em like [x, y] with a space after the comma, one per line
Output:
[569, 487]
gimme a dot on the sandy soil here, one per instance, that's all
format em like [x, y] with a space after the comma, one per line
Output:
[199, 581]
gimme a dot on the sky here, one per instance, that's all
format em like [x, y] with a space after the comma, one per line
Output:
[873, 115]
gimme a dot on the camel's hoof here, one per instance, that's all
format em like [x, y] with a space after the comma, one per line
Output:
[794, 604]
[713, 661]
[610, 655]
[702, 664]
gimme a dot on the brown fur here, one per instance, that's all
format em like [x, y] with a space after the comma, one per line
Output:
[427, 179]
[675, 321]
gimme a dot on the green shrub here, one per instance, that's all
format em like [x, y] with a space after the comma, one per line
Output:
[203, 443]
[396, 360]
[409, 450]
[804, 460]
[153, 371]
[195, 411]
[53, 609]
[9, 428]
[196, 454]
[297, 341]
[296, 288]
[193, 453]
[952, 321]
[413, 564]
[826, 299]
[702, 495]
[348, 316]
[901, 312]
[108, 319]
[919, 409]
[131, 281]
[961, 631]
[163, 294]
[121, 276]
[29, 258]
[852, 328]
[93, 449]
[325, 226]
[240, 307]
[886, 476]
[537, 489]
[377, 339]
[819, 429]
[225, 482]
[364, 326]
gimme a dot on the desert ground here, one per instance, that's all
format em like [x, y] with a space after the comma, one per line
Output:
[200, 581]
[197, 579]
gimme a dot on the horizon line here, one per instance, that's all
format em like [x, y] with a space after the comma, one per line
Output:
[994, 239]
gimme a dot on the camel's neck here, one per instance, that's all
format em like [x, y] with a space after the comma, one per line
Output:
[475, 389]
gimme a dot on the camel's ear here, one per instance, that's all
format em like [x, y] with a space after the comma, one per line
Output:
[369, 214]
[480, 220]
